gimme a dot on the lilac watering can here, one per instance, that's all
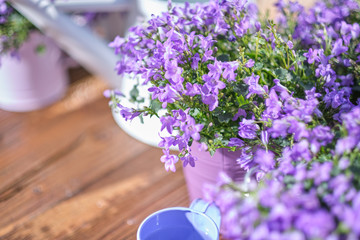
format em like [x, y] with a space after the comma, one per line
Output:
[201, 221]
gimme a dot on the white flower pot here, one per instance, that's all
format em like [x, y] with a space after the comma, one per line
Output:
[35, 80]
[156, 7]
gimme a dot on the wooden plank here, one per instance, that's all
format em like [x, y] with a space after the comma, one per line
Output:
[93, 153]
[36, 137]
[120, 204]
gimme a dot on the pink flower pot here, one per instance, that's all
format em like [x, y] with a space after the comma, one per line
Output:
[208, 167]
[35, 80]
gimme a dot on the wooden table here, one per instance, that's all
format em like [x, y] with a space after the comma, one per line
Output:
[69, 172]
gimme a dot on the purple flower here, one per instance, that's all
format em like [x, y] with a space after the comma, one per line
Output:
[279, 128]
[192, 89]
[209, 98]
[213, 84]
[273, 105]
[192, 129]
[215, 70]
[300, 151]
[173, 72]
[315, 224]
[240, 113]
[127, 113]
[189, 159]
[320, 136]
[167, 122]
[229, 70]
[117, 43]
[250, 63]
[312, 56]
[338, 47]
[247, 129]
[245, 159]
[235, 142]
[166, 142]
[346, 144]
[265, 159]
[169, 161]
[254, 87]
[290, 44]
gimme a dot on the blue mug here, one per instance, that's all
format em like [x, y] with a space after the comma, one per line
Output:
[201, 221]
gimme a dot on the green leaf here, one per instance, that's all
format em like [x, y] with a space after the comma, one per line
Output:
[223, 58]
[241, 88]
[134, 93]
[283, 75]
[225, 117]
[155, 105]
[258, 66]
[242, 101]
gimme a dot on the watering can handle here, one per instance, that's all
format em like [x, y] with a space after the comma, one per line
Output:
[210, 209]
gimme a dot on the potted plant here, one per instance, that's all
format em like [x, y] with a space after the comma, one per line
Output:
[31, 72]
[225, 81]
[310, 187]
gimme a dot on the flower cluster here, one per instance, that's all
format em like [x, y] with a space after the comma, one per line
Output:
[14, 29]
[232, 77]
[285, 96]
[310, 153]
[317, 198]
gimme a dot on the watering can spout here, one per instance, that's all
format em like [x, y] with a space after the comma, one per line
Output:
[210, 209]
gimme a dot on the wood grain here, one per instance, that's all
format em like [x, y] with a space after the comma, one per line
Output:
[69, 172]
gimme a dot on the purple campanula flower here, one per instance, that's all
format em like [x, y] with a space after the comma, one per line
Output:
[290, 44]
[279, 128]
[273, 105]
[107, 93]
[265, 159]
[229, 70]
[284, 92]
[169, 160]
[312, 56]
[338, 48]
[300, 151]
[213, 84]
[173, 72]
[167, 122]
[192, 129]
[209, 98]
[320, 136]
[127, 113]
[298, 129]
[117, 43]
[180, 115]
[245, 159]
[254, 87]
[195, 61]
[285, 162]
[347, 80]
[346, 144]
[235, 142]
[192, 89]
[207, 56]
[320, 172]
[166, 142]
[189, 160]
[247, 129]
[250, 63]
[240, 113]
[215, 70]
[315, 224]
